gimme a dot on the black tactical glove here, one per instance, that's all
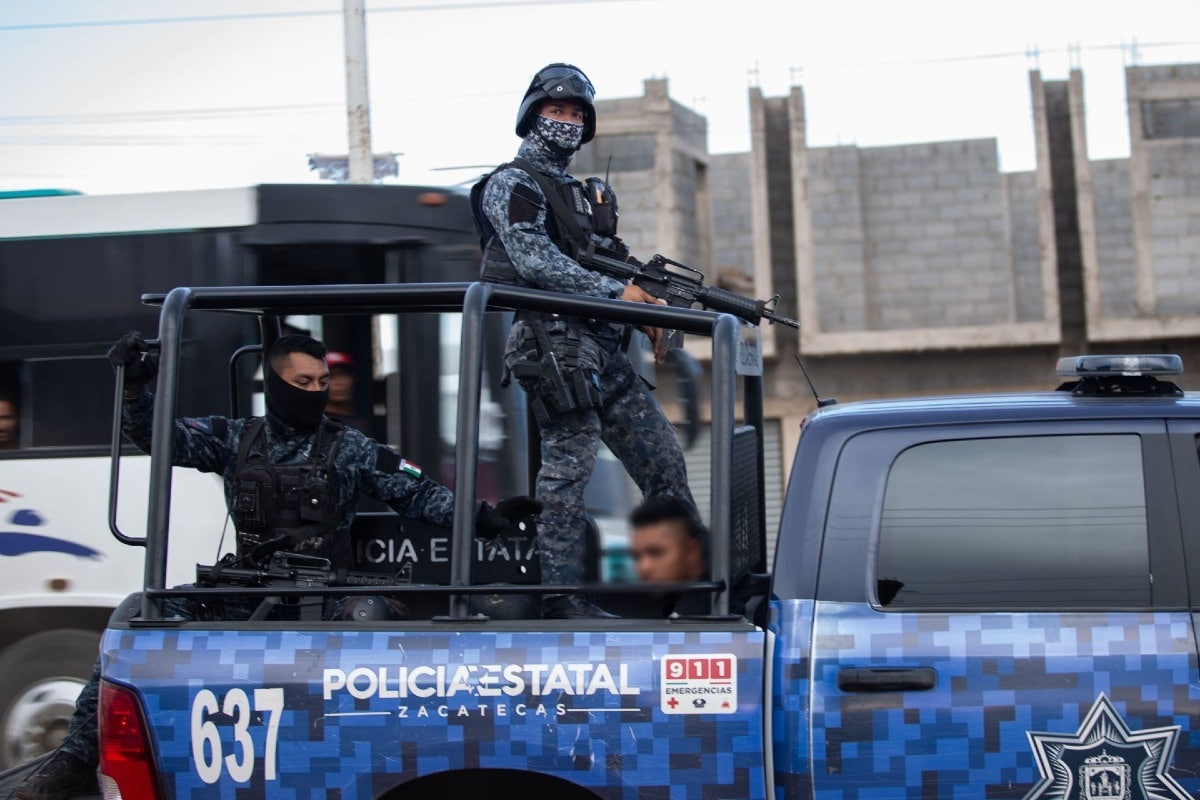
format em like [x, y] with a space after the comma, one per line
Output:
[132, 352]
[491, 522]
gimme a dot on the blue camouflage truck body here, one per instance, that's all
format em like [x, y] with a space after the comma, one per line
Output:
[291, 714]
[973, 597]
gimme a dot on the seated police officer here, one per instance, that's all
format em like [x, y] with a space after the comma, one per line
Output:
[292, 481]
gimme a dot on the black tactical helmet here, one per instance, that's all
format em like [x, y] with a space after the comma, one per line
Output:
[558, 82]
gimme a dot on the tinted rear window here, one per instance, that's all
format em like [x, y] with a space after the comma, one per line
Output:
[1028, 521]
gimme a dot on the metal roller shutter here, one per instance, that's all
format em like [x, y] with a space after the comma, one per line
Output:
[699, 457]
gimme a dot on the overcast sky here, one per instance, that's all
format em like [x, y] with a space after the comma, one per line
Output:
[99, 97]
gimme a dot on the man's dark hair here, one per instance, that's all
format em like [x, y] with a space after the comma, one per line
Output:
[283, 347]
[666, 508]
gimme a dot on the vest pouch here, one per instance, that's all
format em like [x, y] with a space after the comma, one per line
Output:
[254, 503]
[315, 500]
[496, 266]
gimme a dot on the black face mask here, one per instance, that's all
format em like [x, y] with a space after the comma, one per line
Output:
[291, 405]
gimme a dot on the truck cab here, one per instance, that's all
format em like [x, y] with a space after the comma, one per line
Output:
[993, 596]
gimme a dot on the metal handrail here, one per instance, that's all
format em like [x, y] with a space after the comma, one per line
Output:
[438, 589]
[158, 514]
[466, 447]
[724, 349]
[114, 475]
[431, 297]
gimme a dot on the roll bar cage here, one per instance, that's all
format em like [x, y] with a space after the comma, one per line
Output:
[733, 354]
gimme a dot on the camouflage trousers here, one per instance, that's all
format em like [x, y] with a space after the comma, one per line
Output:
[632, 425]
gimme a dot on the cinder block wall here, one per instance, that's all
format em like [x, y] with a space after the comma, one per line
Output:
[1114, 237]
[732, 222]
[1140, 218]
[1024, 245]
[932, 245]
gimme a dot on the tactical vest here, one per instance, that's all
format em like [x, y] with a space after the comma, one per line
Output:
[287, 506]
[496, 266]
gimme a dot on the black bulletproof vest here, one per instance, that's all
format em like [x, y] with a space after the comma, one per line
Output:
[287, 506]
[496, 266]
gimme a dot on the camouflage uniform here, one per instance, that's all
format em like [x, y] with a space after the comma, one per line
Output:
[196, 445]
[628, 419]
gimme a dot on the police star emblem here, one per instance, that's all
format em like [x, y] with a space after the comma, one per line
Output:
[1105, 760]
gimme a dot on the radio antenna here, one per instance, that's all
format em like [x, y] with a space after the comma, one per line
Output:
[607, 169]
[821, 401]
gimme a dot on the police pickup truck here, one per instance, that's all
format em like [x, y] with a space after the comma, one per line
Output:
[972, 597]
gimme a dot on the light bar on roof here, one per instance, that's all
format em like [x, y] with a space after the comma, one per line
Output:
[1108, 366]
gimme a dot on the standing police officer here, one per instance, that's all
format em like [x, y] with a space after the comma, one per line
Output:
[291, 480]
[582, 387]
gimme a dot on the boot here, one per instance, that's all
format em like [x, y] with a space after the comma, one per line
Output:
[60, 777]
[572, 606]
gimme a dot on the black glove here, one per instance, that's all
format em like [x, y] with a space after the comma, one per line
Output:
[491, 522]
[132, 352]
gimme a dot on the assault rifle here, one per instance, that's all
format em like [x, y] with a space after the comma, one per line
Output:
[681, 286]
[293, 571]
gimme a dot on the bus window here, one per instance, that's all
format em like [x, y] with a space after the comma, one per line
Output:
[10, 406]
[69, 402]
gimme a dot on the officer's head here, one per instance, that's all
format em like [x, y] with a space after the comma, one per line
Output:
[296, 381]
[341, 377]
[558, 108]
[667, 540]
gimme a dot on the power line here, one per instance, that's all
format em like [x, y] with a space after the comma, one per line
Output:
[1032, 52]
[167, 140]
[260, 15]
[202, 114]
[166, 115]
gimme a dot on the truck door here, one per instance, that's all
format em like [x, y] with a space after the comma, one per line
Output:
[1021, 628]
[1185, 456]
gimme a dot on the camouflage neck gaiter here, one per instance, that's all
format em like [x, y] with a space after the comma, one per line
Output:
[562, 137]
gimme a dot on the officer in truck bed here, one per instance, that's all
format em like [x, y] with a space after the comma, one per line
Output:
[582, 386]
[292, 480]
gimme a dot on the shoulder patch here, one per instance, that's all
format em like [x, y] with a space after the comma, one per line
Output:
[524, 204]
[386, 459]
[410, 469]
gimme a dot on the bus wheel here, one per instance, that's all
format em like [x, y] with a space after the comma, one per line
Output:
[40, 677]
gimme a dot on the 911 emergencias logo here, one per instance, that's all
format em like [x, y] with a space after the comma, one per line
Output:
[1105, 760]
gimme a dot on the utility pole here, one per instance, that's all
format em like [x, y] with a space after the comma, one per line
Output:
[358, 104]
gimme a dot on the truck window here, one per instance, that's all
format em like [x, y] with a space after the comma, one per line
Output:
[1055, 521]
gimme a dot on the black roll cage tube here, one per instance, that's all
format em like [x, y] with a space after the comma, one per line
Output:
[473, 300]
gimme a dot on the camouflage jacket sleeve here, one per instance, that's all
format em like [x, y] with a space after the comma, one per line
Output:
[204, 443]
[517, 209]
[392, 480]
